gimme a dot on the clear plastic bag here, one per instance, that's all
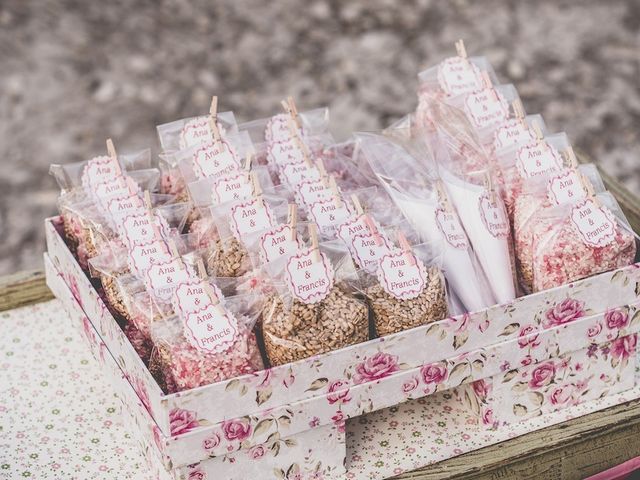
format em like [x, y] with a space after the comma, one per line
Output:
[576, 240]
[309, 316]
[179, 362]
[188, 132]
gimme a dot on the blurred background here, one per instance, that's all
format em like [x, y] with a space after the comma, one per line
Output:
[73, 73]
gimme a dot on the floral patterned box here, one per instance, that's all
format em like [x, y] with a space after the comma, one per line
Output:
[327, 389]
[317, 453]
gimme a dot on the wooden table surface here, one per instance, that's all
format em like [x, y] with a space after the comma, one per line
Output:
[571, 450]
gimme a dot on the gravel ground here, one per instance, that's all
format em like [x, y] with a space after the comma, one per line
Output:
[74, 73]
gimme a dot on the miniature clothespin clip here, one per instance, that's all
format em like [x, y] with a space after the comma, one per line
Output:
[213, 122]
[460, 49]
[313, 236]
[337, 199]
[488, 183]
[292, 221]
[518, 109]
[572, 160]
[406, 248]
[255, 182]
[111, 150]
[149, 208]
[538, 131]
[442, 196]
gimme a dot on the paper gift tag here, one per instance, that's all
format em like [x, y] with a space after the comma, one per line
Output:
[309, 281]
[294, 173]
[449, 225]
[328, 216]
[121, 186]
[368, 249]
[120, 208]
[353, 226]
[99, 170]
[163, 278]
[565, 187]
[402, 275]
[486, 108]
[231, 188]
[595, 223]
[538, 158]
[212, 329]
[215, 159]
[285, 153]
[312, 191]
[192, 296]
[277, 243]
[141, 257]
[197, 131]
[139, 229]
[250, 217]
[278, 129]
[511, 133]
[494, 216]
[457, 75]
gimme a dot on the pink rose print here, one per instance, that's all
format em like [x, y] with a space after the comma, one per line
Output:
[141, 390]
[623, 347]
[616, 319]
[560, 395]
[526, 361]
[379, 366]
[257, 452]
[594, 330]
[459, 324]
[542, 375]
[314, 422]
[487, 417]
[157, 438]
[339, 421]
[410, 385]
[434, 373]
[197, 475]
[341, 396]
[75, 290]
[236, 430]
[484, 325]
[182, 421]
[87, 329]
[288, 379]
[211, 442]
[525, 340]
[266, 378]
[481, 388]
[564, 312]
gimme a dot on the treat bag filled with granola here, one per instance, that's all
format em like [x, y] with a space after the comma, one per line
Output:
[541, 156]
[431, 213]
[576, 240]
[451, 77]
[569, 185]
[237, 220]
[484, 218]
[206, 345]
[407, 288]
[314, 308]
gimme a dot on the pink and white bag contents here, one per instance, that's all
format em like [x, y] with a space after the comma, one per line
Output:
[314, 308]
[208, 342]
[431, 214]
[579, 239]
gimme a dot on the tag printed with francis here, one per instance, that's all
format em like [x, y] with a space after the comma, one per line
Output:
[328, 215]
[538, 158]
[511, 133]
[192, 296]
[595, 223]
[139, 229]
[212, 329]
[250, 217]
[565, 187]
[451, 230]
[309, 279]
[277, 243]
[458, 75]
[141, 257]
[99, 170]
[401, 274]
[215, 159]
[486, 108]
[231, 188]
[493, 215]
[368, 249]
[163, 278]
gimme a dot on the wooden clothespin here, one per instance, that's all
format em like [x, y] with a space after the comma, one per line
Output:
[572, 160]
[149, 208]
[518, 109]
[406, 248]
[337, 199]
[111, 150]
[371, 225]
[538, 131]
[357, 205]
[295, 136]
[257, 188]
[313, 235]
[247, 165]
[292, 221]
[460, 49]
[215, 300]
[293, 111]
[202, 271]
[486, 79]
[213, 122]
[321, 168]
[488, 184]
[442, 196]
[175, 254]
[586, 183]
